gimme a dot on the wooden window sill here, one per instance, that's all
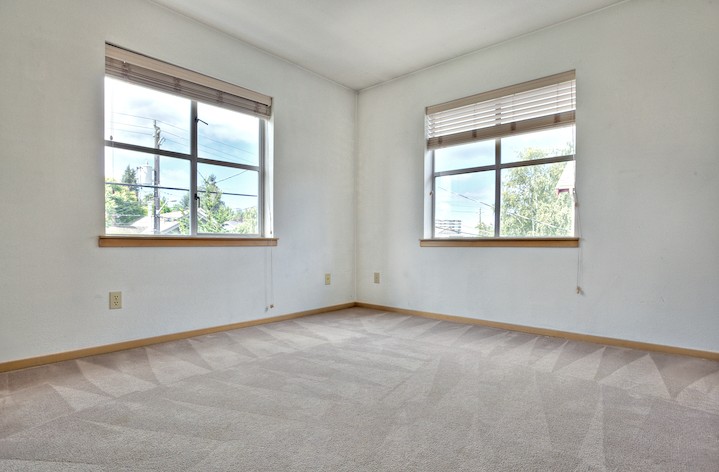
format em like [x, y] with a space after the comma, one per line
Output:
[500, 242]
[182, 241]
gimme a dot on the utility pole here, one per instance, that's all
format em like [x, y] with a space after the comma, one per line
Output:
[156, 182]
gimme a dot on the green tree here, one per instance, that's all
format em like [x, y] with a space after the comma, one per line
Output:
[248, 221]
[130, 177]
[110, 206]
[214, 216]
[485, 230]
[213, 213]
[122, 205]
[530, 203]
[183, 206]
[165, 206]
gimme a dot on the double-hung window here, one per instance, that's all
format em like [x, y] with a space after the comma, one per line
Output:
[184, 153]
[503, 162]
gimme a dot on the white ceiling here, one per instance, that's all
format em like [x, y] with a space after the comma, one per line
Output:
[360, 43]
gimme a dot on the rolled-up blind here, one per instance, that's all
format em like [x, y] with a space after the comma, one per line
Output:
[529, 106]
[159, 75]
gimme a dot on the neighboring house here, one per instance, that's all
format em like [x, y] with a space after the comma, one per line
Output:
[169, 224]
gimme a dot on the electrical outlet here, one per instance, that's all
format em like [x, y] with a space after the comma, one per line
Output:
[376, 277]
[328, 279]
[115, 300]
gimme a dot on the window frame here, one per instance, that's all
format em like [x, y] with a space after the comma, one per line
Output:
[163, 77]
[497, 167]
[496, 132]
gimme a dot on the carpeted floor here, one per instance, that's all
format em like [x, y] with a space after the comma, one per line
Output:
[361, 390]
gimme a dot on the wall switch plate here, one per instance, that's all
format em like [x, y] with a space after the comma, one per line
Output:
[115, 300]
[328, 279]
[376, 277]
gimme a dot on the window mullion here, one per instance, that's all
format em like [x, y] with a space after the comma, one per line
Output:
[538, 162]
[497, 184]
[530, 124]
[261, 182]
[193, 170]
[466, 170]
[434, 194]
[147, 150]
[215, 162]
[139, 92]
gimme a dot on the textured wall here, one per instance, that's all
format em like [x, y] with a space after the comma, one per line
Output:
[648, 183]
[648, 167]
[54, 280]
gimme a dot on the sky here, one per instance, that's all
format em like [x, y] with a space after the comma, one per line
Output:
[134, 114]
[466, 197]
[131, 114]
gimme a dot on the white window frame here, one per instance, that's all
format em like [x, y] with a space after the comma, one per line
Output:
[494, 115]
[158, 75]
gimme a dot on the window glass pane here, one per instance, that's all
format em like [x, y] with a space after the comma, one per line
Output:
[228, 136]
[464, 156]
[145, 117]
[464, 205]
[546, 143]
[537, 200]
[229, 200]
[133, 198]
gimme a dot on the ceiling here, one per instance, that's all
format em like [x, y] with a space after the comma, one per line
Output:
[360, 43]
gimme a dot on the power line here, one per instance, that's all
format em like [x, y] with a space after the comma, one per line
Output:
[185, 130]
[466, 197]
[151, 119]
[204, 146]
[232, 176]
[135, 132]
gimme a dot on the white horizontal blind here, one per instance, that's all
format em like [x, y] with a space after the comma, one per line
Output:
[534, 105]
[149, 72]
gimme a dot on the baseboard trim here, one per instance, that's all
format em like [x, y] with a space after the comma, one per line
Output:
[93, 351]
[122, 346]
[711, 355]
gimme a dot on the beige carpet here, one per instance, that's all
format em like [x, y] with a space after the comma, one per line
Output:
[361, 390]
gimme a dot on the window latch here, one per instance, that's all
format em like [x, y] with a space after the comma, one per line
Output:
[197, 120]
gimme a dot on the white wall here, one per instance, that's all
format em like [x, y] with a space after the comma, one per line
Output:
[54, 280]
[649, 186]
[648, 182]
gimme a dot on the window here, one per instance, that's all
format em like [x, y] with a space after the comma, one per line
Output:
[503, 162]
[184, 153]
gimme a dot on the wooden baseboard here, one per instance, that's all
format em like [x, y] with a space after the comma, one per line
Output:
[712, 355]
[92, 351]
